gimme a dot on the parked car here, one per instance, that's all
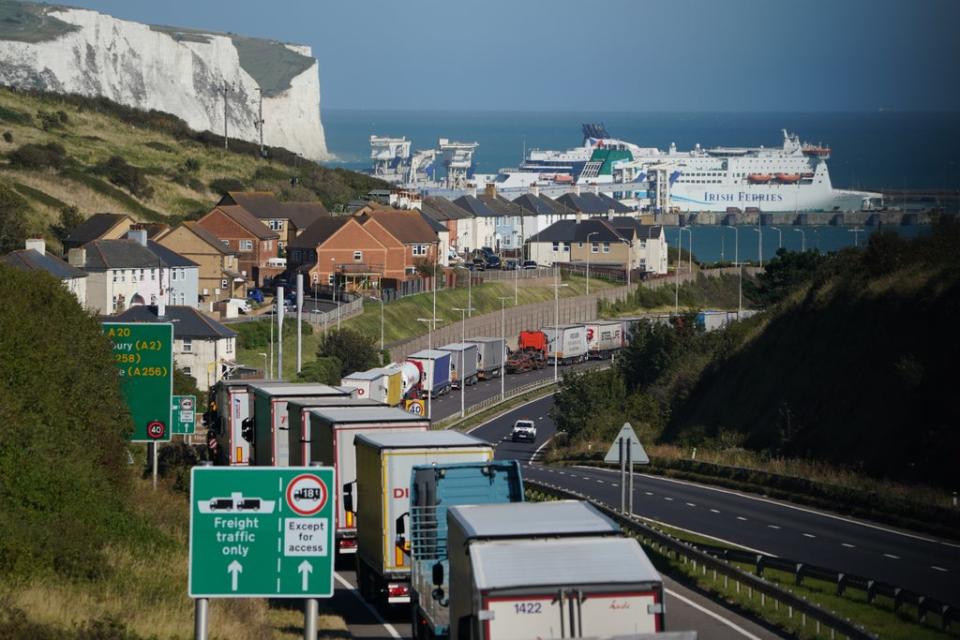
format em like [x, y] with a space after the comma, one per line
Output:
[529, 264]
[479, 264]
[510, 265]
[493, 262]
[256, 295]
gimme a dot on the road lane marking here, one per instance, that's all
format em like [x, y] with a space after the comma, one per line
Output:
[712, 614]
[891, 556]
[774, 526]
[809, 535]
[741, 518]
[936, 568]
[668, 498]
[708, 536]
[649, 493]
[690, 504]
[376, 614]
[714, 510]
[848, 545]
[600, 482]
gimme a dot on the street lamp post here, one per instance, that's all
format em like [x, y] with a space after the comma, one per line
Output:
[759, 231]
[680, 231]
[503, 348]
[265, 361]
[432, 323]
[856, 235]
[589, 251]
[736, 263]
[556, 326]
[629, 258]
[803, 239]
[779, 237]
[381, 321]
[469, 286]
[463, 340]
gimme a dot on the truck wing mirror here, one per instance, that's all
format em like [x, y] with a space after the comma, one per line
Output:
[401, 527]
[348, 497]
[246, 429]
[438, 574]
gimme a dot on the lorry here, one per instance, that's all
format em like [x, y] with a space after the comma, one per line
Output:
[546, 570]
[230, 404]
[567, 343]
[298, 419]
[604, 338]
[331, 434]
[384, 463]
[270, 438]
[433, 489]
[463, 363]
[531, 352]
[410, 374]
[490, 356]
[381, 384]
[434, 370]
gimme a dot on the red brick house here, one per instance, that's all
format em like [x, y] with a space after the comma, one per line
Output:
[339, 248]
[406, 235]
[239, 230]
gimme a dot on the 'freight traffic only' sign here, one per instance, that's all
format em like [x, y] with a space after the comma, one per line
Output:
[261, 532]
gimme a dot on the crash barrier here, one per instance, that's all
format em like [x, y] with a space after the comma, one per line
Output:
[843, 581]
[703, 562]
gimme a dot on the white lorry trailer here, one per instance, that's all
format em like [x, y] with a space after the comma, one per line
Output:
[332, 432]
[567, 343]
[384, 464]
[231, 404]
[463, 363]
[547, 570]
[604, 338]
[491, 353]
[298, 419]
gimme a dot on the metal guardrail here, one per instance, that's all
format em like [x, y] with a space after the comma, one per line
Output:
[703, 561]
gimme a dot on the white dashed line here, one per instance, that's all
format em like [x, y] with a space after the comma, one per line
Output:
[600, 482]
[774, 526]
[714, 510]
[690, 504]
[614, 484]
[386, 625]
[741, 518]
[936, 568]
[891, 556]
[848, 545]
[719, 618]
[668, 498]
[649, 493]
[809, 535]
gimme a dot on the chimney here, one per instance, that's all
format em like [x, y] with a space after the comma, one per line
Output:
[472, 190]
[579, 217]
[139, 234]
[535, 190]
[37, 244]
[490, 190]
[77, 257]
[161, 308]
[609, 214]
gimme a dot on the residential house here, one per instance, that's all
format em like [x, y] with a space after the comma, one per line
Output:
[238, 230]
[202, 347]
[409, 240]
[592, 240]
[513, 224]
[551, 245]
[288, 219]
[458, 221]
[649, 243]
[99, 226]
[443, 239]
[35, 258]
[483, 230]
[339, 249]
[593, 204]
[184, 274]
[122, 273]
[219, 273]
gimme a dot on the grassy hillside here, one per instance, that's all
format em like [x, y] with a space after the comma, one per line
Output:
[99, 156]
[855, 367]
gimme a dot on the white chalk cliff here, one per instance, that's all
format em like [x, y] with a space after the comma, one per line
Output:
[179, 72]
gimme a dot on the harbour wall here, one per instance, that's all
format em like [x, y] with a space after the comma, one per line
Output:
[813, 218]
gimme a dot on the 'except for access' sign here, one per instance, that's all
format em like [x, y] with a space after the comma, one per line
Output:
[184, 415]
[261, 532]
[143, 354]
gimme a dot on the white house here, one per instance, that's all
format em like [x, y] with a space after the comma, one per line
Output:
[483, 230]
[202, 347]
[35, 258]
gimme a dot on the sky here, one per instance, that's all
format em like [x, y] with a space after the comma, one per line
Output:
[611, 55]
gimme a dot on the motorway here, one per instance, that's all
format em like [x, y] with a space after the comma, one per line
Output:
[920, 563]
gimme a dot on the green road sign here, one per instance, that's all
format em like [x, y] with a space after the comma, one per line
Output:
[261, 532]
[143, 352]
[184, 415]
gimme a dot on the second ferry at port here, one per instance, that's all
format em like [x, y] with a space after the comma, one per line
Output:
[792, 177]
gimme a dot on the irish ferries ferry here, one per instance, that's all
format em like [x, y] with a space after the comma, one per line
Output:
[792, 177]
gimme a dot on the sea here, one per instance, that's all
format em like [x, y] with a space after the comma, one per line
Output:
[870, 150]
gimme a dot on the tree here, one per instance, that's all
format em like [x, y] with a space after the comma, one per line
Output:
[356, 352]
[787, 271]
[70, 219]
[13, 227]
[63, 429]
[323, 370]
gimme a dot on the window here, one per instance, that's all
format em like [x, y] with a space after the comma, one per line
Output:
[188, 370]
[187, 345]
[223, 284]
[276, 225]
[229, 345]
[556, 246]
[173, 275]
[246, 245]
[419, 249]
[358, 256]
[329, 278]
[225, 243]
[594, 247]
[116, 276]
[606, 247]
[140, 276]
[153, 274]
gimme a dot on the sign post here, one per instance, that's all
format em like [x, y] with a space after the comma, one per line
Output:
[184, 415]
[627, 450]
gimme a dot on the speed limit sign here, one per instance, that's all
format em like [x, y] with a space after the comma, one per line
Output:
[156, 429]
[416, 407]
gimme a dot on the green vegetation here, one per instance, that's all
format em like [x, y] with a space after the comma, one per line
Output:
[353, 350]
[836, 371]
[706, 292]
[28, 22]
[96, 155]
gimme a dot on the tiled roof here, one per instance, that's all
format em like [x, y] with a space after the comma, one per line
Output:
[436, 225]
[642, 230]
[442, 209]
[591, 203]
[171, 257]
[33, 260]
[318, 232]
[535, 204]
[475, 206]
[262, 205]
[246, 220]
[93, 228]
[406, 226]
[303, 214]
[573, 231]
[208, 237]
[120, 254]
[187, 321]
[501, 206]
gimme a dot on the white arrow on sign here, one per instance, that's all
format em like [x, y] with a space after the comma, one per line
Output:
[234, 569]
[305, 569]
